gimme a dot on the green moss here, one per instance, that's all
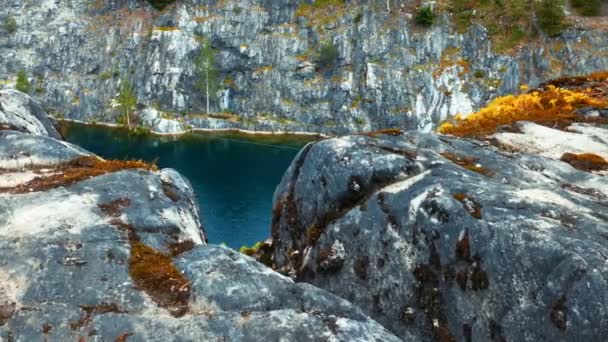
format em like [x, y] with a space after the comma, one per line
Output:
[425, 16]
[160, 4]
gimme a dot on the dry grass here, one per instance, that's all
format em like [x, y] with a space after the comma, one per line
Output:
[77, 170]
[467, 163]
[553, 104]
[586, 162]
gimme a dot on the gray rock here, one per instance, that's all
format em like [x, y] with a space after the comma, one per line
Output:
[122, 256]
[449, 238]
[19, 112]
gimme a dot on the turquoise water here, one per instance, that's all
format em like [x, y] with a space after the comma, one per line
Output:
[233, 178]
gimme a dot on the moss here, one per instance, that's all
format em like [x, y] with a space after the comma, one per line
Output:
[388, 131]
[114, 208]
[360, 267]
[559, 314]
[180, 247]
[471, 206]
[586, 161]
[467, 163]
[155, 273]
[313, 233]
[90, 310]
[77, 170]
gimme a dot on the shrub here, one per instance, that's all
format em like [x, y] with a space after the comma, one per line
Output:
[23, 84]
[10, 25]
[160, 4]
[328, 55]
[550, 105]
[588, 7]
[425, 16]
[550, 15]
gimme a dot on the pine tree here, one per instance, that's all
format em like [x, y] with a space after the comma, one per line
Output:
[23, 84]
[204, 66]
[551, 16]
[126, 99]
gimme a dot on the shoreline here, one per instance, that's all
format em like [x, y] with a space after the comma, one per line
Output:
[245, 132]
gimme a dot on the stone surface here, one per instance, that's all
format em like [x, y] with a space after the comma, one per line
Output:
[446, 238]
[388, 72]
[122, 256]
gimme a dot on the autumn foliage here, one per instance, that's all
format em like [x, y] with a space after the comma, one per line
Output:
[550, 105]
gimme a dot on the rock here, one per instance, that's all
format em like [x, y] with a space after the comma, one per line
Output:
[154, 120]
[398, 74]
[452, 239]
[114, 251]
[19, 112]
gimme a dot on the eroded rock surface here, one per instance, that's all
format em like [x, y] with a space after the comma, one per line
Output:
[445, 238]
[94, 250]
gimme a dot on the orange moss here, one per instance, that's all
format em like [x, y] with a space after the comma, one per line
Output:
[467, 163]
[586, 162]
[313, 233]
[471, 206]
[548, 105]
[155, 273]
[388, 131]
[114, 208]
[77, 170]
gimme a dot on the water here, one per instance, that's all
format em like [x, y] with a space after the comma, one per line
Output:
[233, 178]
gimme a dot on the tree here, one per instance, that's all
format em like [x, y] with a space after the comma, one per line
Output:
[126, 99]
[204, 66]
[425, 16]
[160, 4]
[328, 54]
[23, 84]
[10, 25]
[551, 16]
[588, 7]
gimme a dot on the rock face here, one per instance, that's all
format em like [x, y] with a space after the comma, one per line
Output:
[443, 238]
[95, 250]
[387, 72]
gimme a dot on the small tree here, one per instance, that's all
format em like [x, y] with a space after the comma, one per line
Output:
[328, 55]
[160, 4]
[204, 66]
[126, 99]
[23, 84]
[10, 25]
[551, 16]
[425, 16]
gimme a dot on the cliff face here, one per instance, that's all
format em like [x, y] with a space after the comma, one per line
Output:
[387, 72]
[101, 250]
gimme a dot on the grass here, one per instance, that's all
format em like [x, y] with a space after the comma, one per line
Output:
[77, 170]
[553, 103]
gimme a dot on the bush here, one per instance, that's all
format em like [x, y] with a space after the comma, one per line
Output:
[328, 55]
[550, 15]
[160, 4]
[425, 16]
[23, 84]
[588, 7]
[10, 25]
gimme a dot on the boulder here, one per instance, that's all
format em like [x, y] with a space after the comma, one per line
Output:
[443, 238]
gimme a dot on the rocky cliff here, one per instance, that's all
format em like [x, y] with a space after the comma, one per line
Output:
[101, 250]
[441, 238]
[332, 67]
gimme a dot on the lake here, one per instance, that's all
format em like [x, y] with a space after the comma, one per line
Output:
[234, 177]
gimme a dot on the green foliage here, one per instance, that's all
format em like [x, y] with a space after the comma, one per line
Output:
[425, 16]
[126, 98]
[588, 7]
[160, 4]
[10, 25]
[105, 75]
[550, 15]
[23, 84]
[328, 54]
[251, 250]
[204, 67]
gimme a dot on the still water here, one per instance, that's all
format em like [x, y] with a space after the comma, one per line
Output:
[233, 177]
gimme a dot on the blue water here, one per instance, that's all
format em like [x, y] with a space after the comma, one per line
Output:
[233, 178]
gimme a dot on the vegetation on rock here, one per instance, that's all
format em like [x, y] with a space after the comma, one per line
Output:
[127, 99]
[10, 25]
[328, 54]
[204, 66]
[548, 104]
[551, 16]
[160, 4]
[23, 84]
[425, 16]
[588, 7]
